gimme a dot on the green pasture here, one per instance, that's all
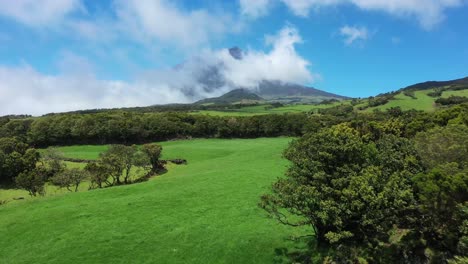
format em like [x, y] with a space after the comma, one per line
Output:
[264, 110]
[422, 102]
[447, 94]
[203, 212]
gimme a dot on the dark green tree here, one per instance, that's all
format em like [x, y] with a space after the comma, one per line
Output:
[69, 178]
[33, 181]
[350, 191]
[153, 151]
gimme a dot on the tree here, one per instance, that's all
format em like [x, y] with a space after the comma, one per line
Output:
[153, 151]
[33, 181]
[52, 159]
[15, 157]
[119, 159]
[443, 145]
[337, 184]
[70, 178]
[442, 190]
[99, 174]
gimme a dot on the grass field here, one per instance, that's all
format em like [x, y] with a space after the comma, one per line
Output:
[261, 110]
[203, 212]
[423, 102]
[447, 94]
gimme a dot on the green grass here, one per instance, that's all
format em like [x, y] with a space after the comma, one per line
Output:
[260, 110]
[88, 152]
[447, 94]
[423, 102]
[203, 212]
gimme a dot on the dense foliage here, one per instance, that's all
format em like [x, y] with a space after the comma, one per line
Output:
[378, 192]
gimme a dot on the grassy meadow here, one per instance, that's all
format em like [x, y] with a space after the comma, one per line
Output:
[422, 102]
[203, 212]
[263, 110]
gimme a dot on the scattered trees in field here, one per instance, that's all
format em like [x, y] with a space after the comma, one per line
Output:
[119, 160]
[69, 179]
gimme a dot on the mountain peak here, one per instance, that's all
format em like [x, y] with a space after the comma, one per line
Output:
[236, 53]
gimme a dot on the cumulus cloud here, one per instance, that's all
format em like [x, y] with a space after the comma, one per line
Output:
[38, 13]
[281, 63]
[209, 73]
[352, 34]
[429, 13]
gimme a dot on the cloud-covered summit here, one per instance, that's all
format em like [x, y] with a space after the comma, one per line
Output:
[210, 73]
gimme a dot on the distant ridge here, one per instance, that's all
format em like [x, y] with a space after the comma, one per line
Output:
[435, 84]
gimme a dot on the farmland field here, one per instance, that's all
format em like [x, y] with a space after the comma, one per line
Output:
[203, 212]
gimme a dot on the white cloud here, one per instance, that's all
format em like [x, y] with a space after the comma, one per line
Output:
[164, 21]
[254, 8]
[37, 13]
[429, 13]
[353, 34]
[25, 90]
[281, 63]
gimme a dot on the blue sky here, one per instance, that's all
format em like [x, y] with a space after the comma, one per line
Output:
[74, 54]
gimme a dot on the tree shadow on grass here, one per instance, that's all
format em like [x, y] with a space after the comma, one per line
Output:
[305, 250]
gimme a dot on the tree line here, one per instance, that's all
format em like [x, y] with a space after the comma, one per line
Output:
[120, 127]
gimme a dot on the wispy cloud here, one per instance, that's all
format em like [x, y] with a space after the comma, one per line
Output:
[429, 13]
[352, 34]
[36, 13]
[255, 8]
[162, 20]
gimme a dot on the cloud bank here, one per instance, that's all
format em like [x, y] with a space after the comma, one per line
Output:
[210, 73]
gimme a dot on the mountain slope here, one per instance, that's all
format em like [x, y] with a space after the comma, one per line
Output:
[233, 96]
[276, 89]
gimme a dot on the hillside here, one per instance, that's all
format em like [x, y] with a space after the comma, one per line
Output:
[277, 90]
[425, 96]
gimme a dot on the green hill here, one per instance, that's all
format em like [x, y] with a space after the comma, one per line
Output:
[422, 96]
[203, 212]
